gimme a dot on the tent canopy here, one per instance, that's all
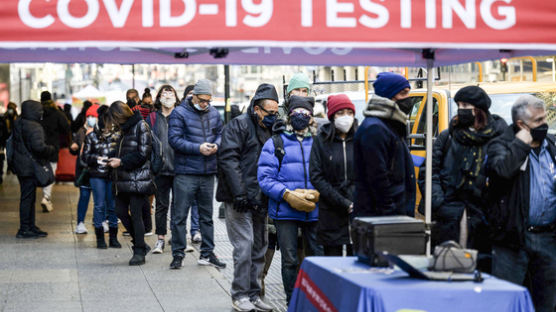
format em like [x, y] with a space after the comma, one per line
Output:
[332, 32]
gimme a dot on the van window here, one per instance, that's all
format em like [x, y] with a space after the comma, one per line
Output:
[422, 126]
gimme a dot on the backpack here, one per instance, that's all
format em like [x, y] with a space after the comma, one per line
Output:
[157, 154]
[279, 150]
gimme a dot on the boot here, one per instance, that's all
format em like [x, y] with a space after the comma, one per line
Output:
[138, 256]
[99, 232]
[113, 242]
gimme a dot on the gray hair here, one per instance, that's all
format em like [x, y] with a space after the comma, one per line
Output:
[520, 109]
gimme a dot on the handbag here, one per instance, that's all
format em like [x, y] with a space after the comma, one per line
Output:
[43, 173]
[83, 178]
[450, 256]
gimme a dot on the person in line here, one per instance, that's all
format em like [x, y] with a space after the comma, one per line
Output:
[292, 197]
[132, 98]
[82, 172]
[522, 195]
[55, 124]
[29, 143]
[331, 171]
[4, 135]
[79, 120]
[246, 206]
[9, 118]
[100, 144]
[132, 173]
[166, 101]
[194, 132]
[459, 177]
[299, 85]
[384, 173]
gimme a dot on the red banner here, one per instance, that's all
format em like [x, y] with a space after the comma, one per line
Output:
[498, 24]
[313, 293]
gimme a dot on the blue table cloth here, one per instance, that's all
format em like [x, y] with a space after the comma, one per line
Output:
[343, 284]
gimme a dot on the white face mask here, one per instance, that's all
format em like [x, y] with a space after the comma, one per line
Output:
[344, 123]
[167, 102]
[91, 121]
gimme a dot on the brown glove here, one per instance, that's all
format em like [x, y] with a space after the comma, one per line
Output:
[297, 201]
[310, 195]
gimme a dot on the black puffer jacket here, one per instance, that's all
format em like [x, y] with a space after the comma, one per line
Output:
[449, 199]
[28, 133]
[55, 124]
[508, 210]
[331, 172]
[242, 141]
[134, 150]
[97, 145]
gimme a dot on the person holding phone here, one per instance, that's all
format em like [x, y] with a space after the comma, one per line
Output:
[99, 145]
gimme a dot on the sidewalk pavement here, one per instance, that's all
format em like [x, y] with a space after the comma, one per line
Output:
[65, 272]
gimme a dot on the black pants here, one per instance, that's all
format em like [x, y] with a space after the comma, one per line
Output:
[147, 219]
[133, 203]
[163, 187]
[28, 188]
[337, 250]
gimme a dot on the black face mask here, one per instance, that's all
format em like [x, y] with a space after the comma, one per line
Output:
[405, 105]
[300, 121]
[465, 117]
[539, 133]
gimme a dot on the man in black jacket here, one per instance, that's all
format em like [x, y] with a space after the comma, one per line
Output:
[55, 124]
[29, 139]
[238, 187]
[522, 192]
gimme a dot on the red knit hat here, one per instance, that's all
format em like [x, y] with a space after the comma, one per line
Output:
[92, 111]
[338, 102]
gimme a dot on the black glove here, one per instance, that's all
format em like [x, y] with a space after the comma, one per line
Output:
[241, 203]
[257, 206]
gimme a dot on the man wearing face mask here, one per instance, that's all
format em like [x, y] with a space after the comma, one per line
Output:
[522, 192]
[194, 132]
[284, 177]
[459, 181]
[332, 175]
[384, 174]
[246, 206]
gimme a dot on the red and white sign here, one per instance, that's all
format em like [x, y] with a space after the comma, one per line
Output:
[477, 24]
[313, 293]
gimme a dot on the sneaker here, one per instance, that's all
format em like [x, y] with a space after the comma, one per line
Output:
[159, 247]
[46, 205]
[26, 234]
[211, 260]
[189, 248]
[260, 305]
[197, 238]
[81, 229]
[126, 233]
[105, 226]
[243, 304]
[150, 233]
[177, 263]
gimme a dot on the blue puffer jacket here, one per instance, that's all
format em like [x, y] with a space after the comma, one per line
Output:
[188, 128]
[294, 174]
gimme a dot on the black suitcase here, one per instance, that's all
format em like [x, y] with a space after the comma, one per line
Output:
[399, 235]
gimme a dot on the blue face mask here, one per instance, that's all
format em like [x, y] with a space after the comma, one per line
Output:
[299, 121]
[91, 121]
[269, 120]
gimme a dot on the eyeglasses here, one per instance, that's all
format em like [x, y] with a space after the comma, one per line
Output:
[269, 113]
[204, 101]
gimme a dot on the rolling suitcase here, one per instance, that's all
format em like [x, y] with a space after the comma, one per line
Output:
[66, 166]
[399, 235]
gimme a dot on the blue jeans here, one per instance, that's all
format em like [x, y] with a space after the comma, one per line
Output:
[190, 188]
[194, 225]
[287, 240]
[103, 203]
[536, 259]
[83, 203]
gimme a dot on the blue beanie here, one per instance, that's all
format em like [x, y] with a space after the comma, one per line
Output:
[389, 84]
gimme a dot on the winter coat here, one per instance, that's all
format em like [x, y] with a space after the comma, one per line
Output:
[331, 172]
[508, 170]
[384, 173]
[449, 200]
[294, 174]
[134, 150]
[97, 145]
[242, 141]
[4, 133]
[29, 134]
[55, 124]
[160, 129]
[188, 128]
